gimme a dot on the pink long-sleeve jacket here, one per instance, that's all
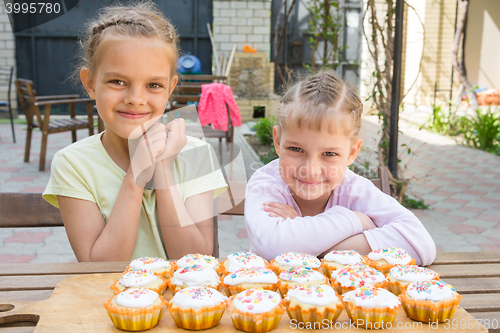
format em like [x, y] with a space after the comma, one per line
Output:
[212, 107]
[271, 236]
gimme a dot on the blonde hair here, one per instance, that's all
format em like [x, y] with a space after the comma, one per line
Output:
[318, 99]
[142, 19]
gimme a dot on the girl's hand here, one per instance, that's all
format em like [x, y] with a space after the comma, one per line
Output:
[145, 151]
[176, 140]
[278, 209]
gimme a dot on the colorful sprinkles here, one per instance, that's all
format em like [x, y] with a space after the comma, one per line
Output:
[296, 258]
[394, 252]
[359, 275]
[295, 273]
[425, 286]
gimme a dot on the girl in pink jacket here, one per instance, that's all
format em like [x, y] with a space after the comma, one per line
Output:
[308, 200]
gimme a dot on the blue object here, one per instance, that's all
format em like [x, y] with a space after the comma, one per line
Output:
[188, 64]
[479, 89]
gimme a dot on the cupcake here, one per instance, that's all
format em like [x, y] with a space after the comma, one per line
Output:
[286, 260]
[244, 279]
[385, 259]
[356, 276]
[300, 276]
[402, 275]
[256, 310]
[136, 309]
[194, 276]
[313, 304]
[242, 260]
[338, 259]
[197, 308]
[371, 308]
[197, 259]
[158, 266]
[430, 301]
[140, 278]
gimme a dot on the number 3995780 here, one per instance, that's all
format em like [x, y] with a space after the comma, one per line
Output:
[33, 8]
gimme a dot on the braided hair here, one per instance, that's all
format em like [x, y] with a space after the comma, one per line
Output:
[139, 19]
[321, 99]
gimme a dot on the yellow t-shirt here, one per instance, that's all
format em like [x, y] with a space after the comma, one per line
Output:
[85, 171]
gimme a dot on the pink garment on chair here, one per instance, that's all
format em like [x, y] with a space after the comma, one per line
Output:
[212, 107]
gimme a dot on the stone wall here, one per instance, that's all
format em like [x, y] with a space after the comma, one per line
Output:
[242, 22]
[7, 56]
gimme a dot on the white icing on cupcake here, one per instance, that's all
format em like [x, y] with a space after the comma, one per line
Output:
[196, 276]
[136, 298]
[318, 295]
[359, 275]
[412, 273]
[197, 297]
[149, 263]
[344, 257]
[198, 259]
[369, 297]
[298, 259]
[251, 275]
[137, 278]
[393, 255]
[243, 260]
[301, 275]
[256, 300]
[430, 290]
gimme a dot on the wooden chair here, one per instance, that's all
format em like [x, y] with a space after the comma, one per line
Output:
[232, 201]
[6, 74]
[188, 90]
[31, 104]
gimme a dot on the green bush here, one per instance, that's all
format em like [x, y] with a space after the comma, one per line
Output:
[444, 123]
[482, 131]
[264, 131]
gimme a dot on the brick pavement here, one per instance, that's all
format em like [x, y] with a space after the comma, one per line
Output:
[460, 184]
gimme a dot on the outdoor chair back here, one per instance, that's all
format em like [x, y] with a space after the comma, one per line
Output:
[6, 74]
[31, 103]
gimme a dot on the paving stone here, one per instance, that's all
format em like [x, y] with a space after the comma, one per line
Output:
[20, 248]
[480, 223]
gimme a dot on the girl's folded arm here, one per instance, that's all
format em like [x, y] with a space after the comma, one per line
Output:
[271, 236]
[396, 225]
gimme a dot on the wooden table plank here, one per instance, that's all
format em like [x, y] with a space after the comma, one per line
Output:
[62, 268]
[449, 258]
[480, 302]
[25, 329]
[476, 285]
[467, 271]
[493, 318]
[26, 295]
[36, 282]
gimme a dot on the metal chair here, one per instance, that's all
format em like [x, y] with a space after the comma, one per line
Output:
[6, 74]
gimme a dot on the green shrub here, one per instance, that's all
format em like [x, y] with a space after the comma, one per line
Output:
[264, 130]
[482, 131]
[270, 156]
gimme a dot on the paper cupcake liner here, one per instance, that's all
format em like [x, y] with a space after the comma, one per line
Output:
[342, 290]
[385, 268]
[313, 315]
[197, 319]
[160, 289]
[397, 287]
[284, 286]
[429, 311]
[371, 318]
[140, 319]
[236, 289]
[256, 323]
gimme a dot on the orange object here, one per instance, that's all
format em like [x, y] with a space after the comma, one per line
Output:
[248, 49]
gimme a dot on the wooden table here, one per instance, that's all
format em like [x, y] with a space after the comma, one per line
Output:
[475, 275]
